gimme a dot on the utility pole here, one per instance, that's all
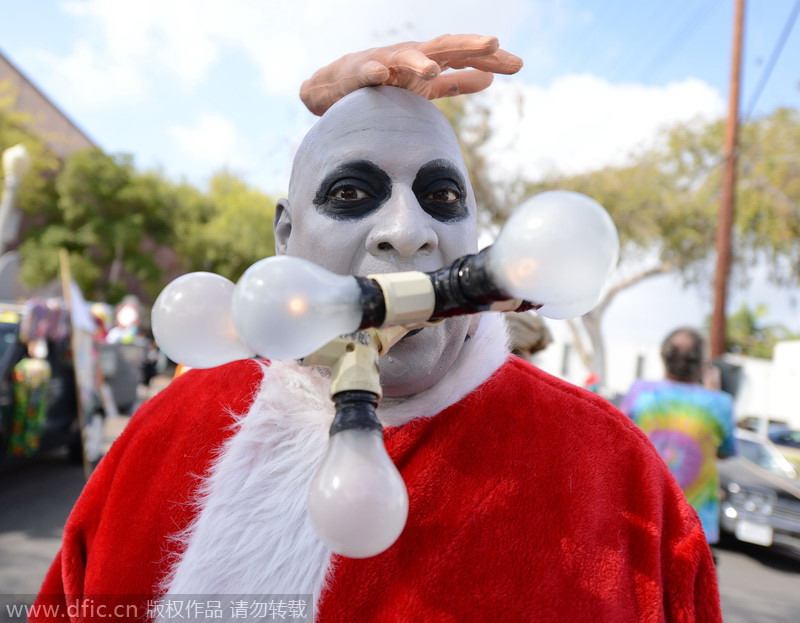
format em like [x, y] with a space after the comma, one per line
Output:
[728, 194]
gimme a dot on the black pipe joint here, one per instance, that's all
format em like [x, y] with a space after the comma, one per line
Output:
[355, 410]
[465, 287]
[372, 303]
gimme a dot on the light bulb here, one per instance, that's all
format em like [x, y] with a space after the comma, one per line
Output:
[573, 309]
[558, 250]
[286, 307]
[357, 502]
[192, 321]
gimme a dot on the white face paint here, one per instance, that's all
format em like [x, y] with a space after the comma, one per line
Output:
[379, 185]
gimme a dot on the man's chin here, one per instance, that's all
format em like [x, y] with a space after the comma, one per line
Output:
[421, 359]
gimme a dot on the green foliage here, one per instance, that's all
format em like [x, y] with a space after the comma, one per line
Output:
[226, 230]
[667, 199]
[37, 189]
[768, 205]
[106, 211]
[471, 123]
[748, 335]
[111, 219]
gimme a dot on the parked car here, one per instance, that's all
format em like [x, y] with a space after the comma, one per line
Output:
[760, 494]
[755, 424]
[60, 427]
[787, 441]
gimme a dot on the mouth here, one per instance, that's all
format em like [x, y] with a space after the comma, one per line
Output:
[411, 334]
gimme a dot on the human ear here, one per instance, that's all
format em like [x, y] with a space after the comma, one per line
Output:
[282, 226]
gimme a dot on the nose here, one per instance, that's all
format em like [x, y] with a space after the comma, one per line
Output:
[402, 228]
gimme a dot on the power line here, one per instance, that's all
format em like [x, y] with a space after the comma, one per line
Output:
[776, 52]
[684, 33]
[592, 30]
[652, 26]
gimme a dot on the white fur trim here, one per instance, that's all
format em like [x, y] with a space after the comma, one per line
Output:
[252, 536]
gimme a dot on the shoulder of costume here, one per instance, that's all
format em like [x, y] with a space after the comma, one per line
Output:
[232, 382]
[546, 393]
[587, 429]
[198, 402]
[538, 404]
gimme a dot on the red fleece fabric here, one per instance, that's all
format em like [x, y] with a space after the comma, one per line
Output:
[530, 500]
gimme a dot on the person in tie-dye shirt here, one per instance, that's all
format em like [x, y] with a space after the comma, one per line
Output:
[690, 425]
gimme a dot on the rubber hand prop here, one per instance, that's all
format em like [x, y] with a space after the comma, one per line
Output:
[413, 65]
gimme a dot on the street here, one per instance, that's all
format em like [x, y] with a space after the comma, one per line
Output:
[36, 499]
[757, 586]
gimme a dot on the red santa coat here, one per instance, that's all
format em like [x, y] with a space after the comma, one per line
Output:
[530, 500]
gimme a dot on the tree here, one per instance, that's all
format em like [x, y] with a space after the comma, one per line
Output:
[106, 211]
[748, 335]
[665, 205]
[226, 230]
[471, 121]
[769, 195]
[37, 191]
[112, 219]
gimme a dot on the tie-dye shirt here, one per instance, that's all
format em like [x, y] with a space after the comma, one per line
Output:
[687, 424]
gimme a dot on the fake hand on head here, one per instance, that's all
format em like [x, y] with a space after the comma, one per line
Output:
[416, 66]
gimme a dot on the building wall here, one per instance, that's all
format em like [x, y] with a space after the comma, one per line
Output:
[754, 387]
[784, 402]
[49, 122]
[63, 137]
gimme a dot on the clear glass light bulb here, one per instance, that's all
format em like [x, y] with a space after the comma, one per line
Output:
[357, 502]
[286, 307]
[192, 321]
[557, 249]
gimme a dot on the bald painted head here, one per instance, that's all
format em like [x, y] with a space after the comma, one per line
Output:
[379, 185]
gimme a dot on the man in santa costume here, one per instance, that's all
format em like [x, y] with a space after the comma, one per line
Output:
[530, 499]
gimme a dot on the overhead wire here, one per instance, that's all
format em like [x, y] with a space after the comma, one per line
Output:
[607, 23]
[652, 25]
[776, 52]
[590, 32]
[651, 21]
[687, 29]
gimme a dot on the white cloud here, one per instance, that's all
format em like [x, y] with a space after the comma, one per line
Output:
[144, 40]
[213, 143]
[581, 122]
[127, 52]
[90, 79]
[286, 41]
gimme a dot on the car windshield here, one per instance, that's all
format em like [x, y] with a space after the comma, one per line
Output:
[788, 437]
[765, 456]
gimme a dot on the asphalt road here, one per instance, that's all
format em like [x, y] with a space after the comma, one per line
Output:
[35, 499]
[757, 586]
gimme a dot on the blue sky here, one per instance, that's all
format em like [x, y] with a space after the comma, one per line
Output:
[192, 86]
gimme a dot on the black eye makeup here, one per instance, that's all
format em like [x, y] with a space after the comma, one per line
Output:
[353, 190]
[441, 191]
